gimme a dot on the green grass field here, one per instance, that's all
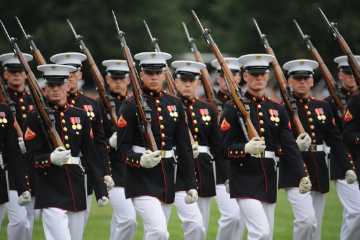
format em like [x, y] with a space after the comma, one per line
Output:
[99, 224]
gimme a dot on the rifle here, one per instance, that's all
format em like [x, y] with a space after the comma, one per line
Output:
[98, 78]
[141, 105]
[205, 76]
[38, 100]
[345, 48]
[329, 79]
[169, 78]
[39, 58]
[4, 94]
[284, 89]
[250, 129]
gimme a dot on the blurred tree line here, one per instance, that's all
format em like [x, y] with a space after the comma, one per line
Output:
[229, 20]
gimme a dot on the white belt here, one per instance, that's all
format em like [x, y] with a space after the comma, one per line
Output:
[74, 160]
[205, 149]
[270, 154]
[163, 153]
[317, 148]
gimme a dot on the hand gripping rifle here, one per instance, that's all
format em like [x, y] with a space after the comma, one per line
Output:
[284, 89]
[344, 47]
[38, 100]
[98, 78]
[329, 79]
[141, 105]
[169, 78]
[205, 76]
[250, 129]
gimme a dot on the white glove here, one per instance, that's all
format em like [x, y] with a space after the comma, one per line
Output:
[59, 156]
[191, 196]
[227, 186]
[109, 182]
[150, 159]
[113, 140]
[350, 176]
[195, 149]
[305, 185]
[103, 201]
[255, 146]
[24, 198]
[303, 141]
[22, 145]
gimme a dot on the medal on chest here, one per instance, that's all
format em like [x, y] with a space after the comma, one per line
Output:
[172, 111]
[76, 124]
[89, 111]
[205, 116]
[274, 116]
[320, 115]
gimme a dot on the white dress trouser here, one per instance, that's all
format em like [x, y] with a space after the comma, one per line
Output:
[123, 221]
[231, 225]
[60, 224]
[204, 206]
[319, 205]
[88, 208]
[190, 216]
[21, 218]
[2, 213]
[349, 195]
[152, 213]
[305, 222]
[258, 217]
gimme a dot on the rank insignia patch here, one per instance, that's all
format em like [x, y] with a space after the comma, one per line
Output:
[121, 122]
[225, 125]
[29, 135]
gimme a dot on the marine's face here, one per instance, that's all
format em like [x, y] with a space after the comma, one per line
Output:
[256, 82]
[118, 85]
[301, 85]
[153, 80]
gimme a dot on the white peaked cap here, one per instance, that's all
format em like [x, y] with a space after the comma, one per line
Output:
[342, 61]
[11, 58]
[55, 69]
[116, 65]
[152, 57]
[188, 66]
[68, 58]
[256, 60]
[233, 63]
[300, 65]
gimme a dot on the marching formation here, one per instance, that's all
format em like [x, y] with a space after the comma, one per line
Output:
[149, 142]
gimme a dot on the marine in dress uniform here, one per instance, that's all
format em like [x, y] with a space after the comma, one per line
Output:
[348, 194]
[123, 222]
[62, 191]
[11, 161]
[317, 119]
[92, 109]
[21, 218]
[230, 222]
[150, 175]
[253, 162]
[203, 124]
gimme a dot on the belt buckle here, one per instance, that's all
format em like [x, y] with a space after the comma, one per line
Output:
[162, 153]
[312, 148]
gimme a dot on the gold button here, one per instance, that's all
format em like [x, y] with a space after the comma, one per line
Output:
[262, 130]
[65, 129]
[261, 122]
[67, 145]
[258, 106]
[157, 101]
[21, 100]
[314, 141]
[261, 114]
[163, 135]
[162, 126]
[161, 118]
[196, 129]
[306, 106]
[163, 144]
[191, 107]
[159, 109]
[313, 134]
[63, 121]
[24, 116]
[308, 113]
[73, 101]
[66, 137]
[312, 127]
[193, 114]
[62, 114]
[23, 108]
[195, 121]
[311, 120]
